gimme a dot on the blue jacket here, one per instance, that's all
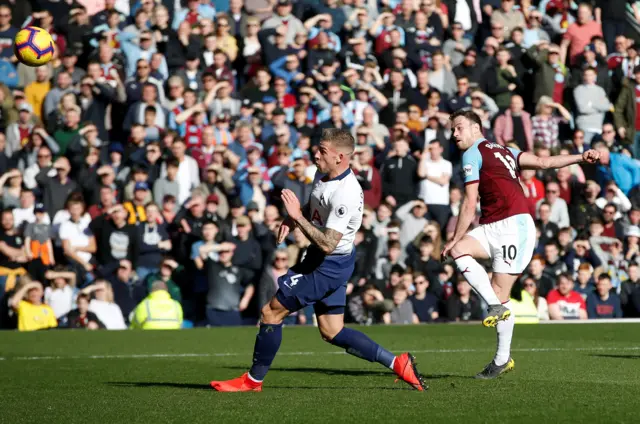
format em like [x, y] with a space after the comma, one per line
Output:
[623, 170]
[8, 74]
[133, 53]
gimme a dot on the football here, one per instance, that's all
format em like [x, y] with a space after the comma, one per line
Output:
[33, 46]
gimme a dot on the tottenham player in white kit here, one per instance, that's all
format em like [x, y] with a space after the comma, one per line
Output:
[330, 221]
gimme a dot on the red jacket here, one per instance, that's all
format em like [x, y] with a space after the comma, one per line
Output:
[372, 196]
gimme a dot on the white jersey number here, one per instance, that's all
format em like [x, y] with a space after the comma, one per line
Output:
[508, 162]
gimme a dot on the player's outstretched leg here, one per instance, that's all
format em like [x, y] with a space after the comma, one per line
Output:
[266, 347]
[359, 344]
[463, 254]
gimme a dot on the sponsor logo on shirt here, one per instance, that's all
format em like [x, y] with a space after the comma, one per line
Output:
[467, 170]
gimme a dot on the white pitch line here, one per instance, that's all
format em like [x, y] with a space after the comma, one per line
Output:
[233, 354]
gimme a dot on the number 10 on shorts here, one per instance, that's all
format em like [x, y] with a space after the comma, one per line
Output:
[509, 252]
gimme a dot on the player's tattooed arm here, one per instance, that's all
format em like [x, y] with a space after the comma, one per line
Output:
[326, 239]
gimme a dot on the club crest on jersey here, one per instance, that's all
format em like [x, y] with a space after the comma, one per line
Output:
[467, 170]
[316, 217]
[341, 211]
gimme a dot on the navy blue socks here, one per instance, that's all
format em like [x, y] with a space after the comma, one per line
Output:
[360, 345]
[267, 344]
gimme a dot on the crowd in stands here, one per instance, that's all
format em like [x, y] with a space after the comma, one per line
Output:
[141, 169]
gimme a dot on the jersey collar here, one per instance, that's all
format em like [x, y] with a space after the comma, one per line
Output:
[341, 176]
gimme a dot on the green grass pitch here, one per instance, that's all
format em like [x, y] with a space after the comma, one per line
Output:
[564, 373]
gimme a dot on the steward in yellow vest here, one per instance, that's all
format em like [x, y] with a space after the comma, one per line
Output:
[157, 311]
[524, 310]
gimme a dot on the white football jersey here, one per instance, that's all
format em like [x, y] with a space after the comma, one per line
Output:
[337, 204]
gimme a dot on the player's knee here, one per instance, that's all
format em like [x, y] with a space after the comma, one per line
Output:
[271, 314]
[457, 250]
[328, 333]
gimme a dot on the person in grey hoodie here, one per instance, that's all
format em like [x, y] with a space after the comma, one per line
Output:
[412, 215]
[168, 184]
[592, 103]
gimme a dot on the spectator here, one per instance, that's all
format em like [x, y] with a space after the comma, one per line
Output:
[168, 272]
[81, 317]
[127, 290]
[36, 92]
[398, 173]
[32, 313]
[37, 239]
[585, 282]
[515, 124]
[425, 304]
[564, 302]
[531, 288]
[550, 74]
[103, 306]
[618, 167]
[592, 104]
[603, 303]
[158, 311]
[554, 265]
[402, 312]
[548, 230]
[434, 188]
[507, 17]
[579, 34]
[13, 257]
[188, 174]
[545, 126]
[153, 239]
[18, 133]
[463, 305]
[59, 295]
[115, 240]
[536, 271]
[624, 114]
[559, 210]
[230, 289]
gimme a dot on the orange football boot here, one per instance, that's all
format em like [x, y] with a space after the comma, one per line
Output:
[240, 384]
[406, 369]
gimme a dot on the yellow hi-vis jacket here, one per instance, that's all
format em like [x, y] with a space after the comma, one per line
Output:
[157, 312]
[525, 311]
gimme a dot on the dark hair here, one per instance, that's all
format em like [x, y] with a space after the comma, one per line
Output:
[173, 162]
[565, 275]
[604, 276]
[83, 296]
[467, 114]
[393, 244]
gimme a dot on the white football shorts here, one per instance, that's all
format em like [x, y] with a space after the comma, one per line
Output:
[509, 242]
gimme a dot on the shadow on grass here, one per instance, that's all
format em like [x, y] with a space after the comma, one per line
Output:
[606, 355]
[159, 384]
[143, 384]
[350, 372]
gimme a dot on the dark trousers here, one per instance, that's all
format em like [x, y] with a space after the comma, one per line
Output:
[610, 30]
[218, 318]
[440, 214]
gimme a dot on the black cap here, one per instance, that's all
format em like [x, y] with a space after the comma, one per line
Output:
[252, 206]
[247, 103]
[39, 207]
[235, 203]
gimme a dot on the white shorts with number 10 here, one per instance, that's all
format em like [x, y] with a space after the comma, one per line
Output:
[509, 242]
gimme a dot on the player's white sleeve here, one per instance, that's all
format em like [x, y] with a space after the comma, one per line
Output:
[344, 206]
